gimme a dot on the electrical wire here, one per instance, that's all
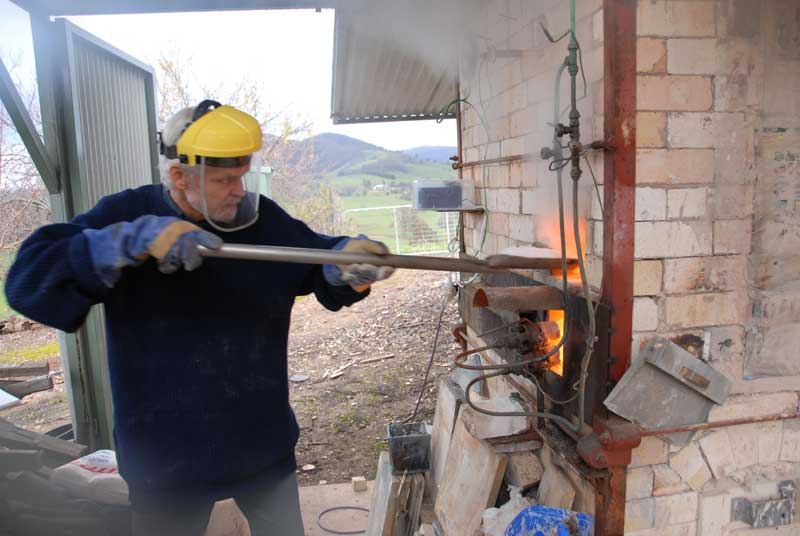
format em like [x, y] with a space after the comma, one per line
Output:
[596, 187]
[430, 361]
[335, 508]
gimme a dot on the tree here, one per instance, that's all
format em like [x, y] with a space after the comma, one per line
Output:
[24, 200]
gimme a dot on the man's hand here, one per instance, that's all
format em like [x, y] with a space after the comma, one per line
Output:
[358, 276]
[171, 241]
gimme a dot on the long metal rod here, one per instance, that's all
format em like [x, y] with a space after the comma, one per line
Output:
[719, 424]
[499, 160]
[495, 263]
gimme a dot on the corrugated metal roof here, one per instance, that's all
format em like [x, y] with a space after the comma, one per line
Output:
[383, 72]
[60, 8]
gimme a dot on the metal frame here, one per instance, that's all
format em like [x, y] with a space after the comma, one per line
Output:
[27, 131]
[62, 8]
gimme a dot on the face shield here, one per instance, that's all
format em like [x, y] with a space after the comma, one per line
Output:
[227, 190]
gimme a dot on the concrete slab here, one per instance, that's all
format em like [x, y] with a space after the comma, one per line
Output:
[315, 499]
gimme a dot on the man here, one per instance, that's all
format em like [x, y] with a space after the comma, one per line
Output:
[197, 356]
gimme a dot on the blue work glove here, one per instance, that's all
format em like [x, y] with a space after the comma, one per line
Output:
[171, 241]
[357, 276]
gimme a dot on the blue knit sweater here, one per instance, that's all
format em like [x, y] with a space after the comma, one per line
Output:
[197, 360]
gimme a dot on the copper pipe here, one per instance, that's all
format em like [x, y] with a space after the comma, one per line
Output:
[500, 160]
[718, 424]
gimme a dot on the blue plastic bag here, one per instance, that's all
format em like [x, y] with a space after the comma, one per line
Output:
[539, 520]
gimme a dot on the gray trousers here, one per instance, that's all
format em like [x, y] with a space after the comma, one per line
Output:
[275, 511]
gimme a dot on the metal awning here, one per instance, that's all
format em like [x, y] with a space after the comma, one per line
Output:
[66, 8]
[383, 72]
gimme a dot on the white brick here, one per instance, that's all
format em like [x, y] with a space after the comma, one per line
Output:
[640, 483]
[537, 201]
[651, 55]
[690, 130]
[744, 443]
[666, 481]
[753, 406]
[770, 437]
[717, 450]
[672, 239]
[639, 514]
[651, 204]
[696, 274]
[647, 278]
[687, 203]
[676, 18]
[651, 451]
[790, 445]
[732, 236]
[698, 310]
[726, 343]
[691, 466]
[674, 509]
[645, 314]
[507, 200]
[677, 93]
[521, 228]
[674, 166]
[715, 513]
[691, 56]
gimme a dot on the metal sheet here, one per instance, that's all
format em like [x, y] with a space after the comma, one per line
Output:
[652, 398]
[690, 371]
[103, 7]
[381, 73]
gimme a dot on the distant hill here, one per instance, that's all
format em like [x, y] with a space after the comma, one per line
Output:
[432, 153]
[353, 167]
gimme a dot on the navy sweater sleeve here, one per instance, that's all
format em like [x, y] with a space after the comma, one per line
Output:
[52, 280]
[332, 297]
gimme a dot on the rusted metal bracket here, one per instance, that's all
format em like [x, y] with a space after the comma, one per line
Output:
[610, 445]
[769, 513]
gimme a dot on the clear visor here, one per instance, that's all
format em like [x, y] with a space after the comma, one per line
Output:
[229, 191]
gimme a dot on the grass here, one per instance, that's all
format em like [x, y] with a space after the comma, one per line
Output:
[32, 353]
[6, 258]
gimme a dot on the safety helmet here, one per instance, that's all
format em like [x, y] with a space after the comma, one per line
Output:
[220, 146]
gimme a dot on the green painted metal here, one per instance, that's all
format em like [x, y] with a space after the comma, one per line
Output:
[27, 132]
[71, 66]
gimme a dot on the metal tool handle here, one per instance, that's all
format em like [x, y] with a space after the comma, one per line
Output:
[498, 263]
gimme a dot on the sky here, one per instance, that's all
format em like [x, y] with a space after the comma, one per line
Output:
[288, 52]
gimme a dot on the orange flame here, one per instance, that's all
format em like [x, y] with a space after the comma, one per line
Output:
[556, 362]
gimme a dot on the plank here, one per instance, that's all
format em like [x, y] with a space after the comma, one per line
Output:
[396, 502]
[24, 370]
[15, 437]
[26, 387]
[448, 404]
[473, 474]
[555, 489]
[485, 426]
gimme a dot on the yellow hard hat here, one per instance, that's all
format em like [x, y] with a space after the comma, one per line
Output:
[222, 135]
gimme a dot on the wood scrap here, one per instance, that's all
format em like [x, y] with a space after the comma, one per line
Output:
[376, 359]
[396, 501]
[473, 474]
[25, 370]
[448, 404]
[525, 446]
[26, 387]
[524, 470]
[59, 450]
[555, 489]
[484, 426]
[19, 460]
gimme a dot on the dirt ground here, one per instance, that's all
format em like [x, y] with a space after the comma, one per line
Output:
[343, 419]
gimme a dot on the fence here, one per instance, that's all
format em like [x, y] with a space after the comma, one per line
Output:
[403, 228]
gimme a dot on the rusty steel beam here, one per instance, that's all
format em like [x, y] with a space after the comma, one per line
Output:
[619, 20]
[619, 84]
